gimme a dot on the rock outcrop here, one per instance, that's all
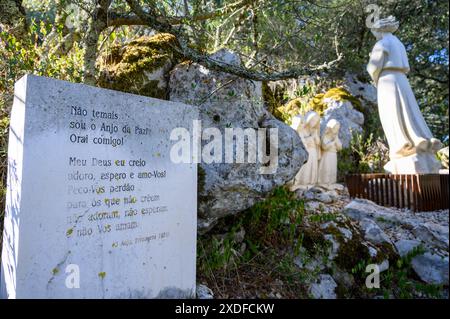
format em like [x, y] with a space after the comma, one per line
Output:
[341, 237]
[140, 67]
[344, 112]
[226, 101]
[203, 292]
[324, 288]
[147, 66]
[345, 102]
[365, 92]
[407, 231]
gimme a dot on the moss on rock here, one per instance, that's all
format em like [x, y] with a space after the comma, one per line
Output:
[313, 239]
[351, 253]
[317, 103]
[133, 68]
[289, 110]
[271, 99]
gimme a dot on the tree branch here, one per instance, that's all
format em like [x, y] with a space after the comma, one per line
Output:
[184, 49]
[429, 77]
[118, 19]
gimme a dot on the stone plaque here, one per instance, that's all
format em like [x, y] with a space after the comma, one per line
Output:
[95, 206]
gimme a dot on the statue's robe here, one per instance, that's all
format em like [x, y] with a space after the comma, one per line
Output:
[328, 161]
[402, 121]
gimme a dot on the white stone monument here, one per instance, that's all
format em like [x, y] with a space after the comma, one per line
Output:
[412, 147]
[309, 132]
[95, 208]
[330, 145]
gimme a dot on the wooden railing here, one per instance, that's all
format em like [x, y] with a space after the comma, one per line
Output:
[418, 192]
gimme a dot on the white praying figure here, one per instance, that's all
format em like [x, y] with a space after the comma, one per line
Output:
[310, 134]
[330, 144]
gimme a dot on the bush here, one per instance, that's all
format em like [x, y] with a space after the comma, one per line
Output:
[365, 155]
[29, 56]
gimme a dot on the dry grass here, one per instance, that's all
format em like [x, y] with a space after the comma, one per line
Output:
[269, 274]
[251, 255]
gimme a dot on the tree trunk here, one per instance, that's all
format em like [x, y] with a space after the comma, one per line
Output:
[97, 23]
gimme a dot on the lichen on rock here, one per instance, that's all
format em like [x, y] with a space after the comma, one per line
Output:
[289, 110]
[318, 103]
[140, 66]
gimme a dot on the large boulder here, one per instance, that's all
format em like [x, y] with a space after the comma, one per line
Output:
[365, 92]
[344, 102]
[140, 66]
[430, 266]
[347, 115]
[373, 233]
[340, 239]
[227, 101]
[407, 231]
[148, 66]
[324, 288]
